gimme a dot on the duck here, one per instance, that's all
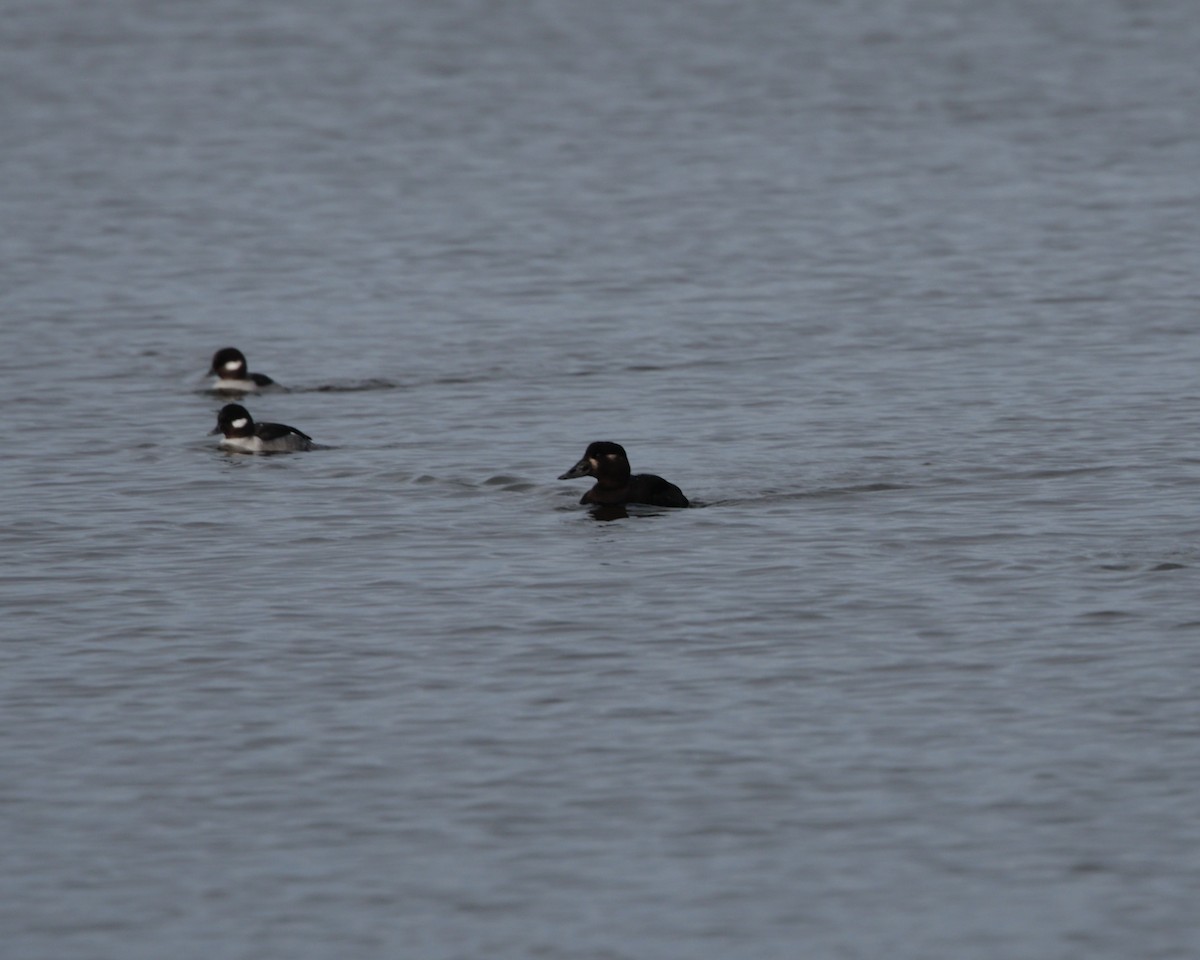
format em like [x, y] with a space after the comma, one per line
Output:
[229, 367]
[243, 434]
[616, 484]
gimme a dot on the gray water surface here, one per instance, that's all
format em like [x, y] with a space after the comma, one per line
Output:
[902, 294]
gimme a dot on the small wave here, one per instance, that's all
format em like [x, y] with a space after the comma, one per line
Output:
[819, 493]
[355, 386]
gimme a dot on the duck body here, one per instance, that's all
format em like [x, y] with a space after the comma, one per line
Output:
[229, 368]
[245, 435]
[616, 484]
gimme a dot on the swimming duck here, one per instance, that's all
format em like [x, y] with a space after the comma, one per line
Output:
[615, 482]
[243, 434]
[229, 366]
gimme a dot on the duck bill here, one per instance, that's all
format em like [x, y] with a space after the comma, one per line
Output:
[215, 430]
[581, 469]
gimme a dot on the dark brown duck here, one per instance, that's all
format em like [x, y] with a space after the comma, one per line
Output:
[617, 484]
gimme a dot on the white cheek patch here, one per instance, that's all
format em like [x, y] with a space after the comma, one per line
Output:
[239, 423]
[232, 364]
